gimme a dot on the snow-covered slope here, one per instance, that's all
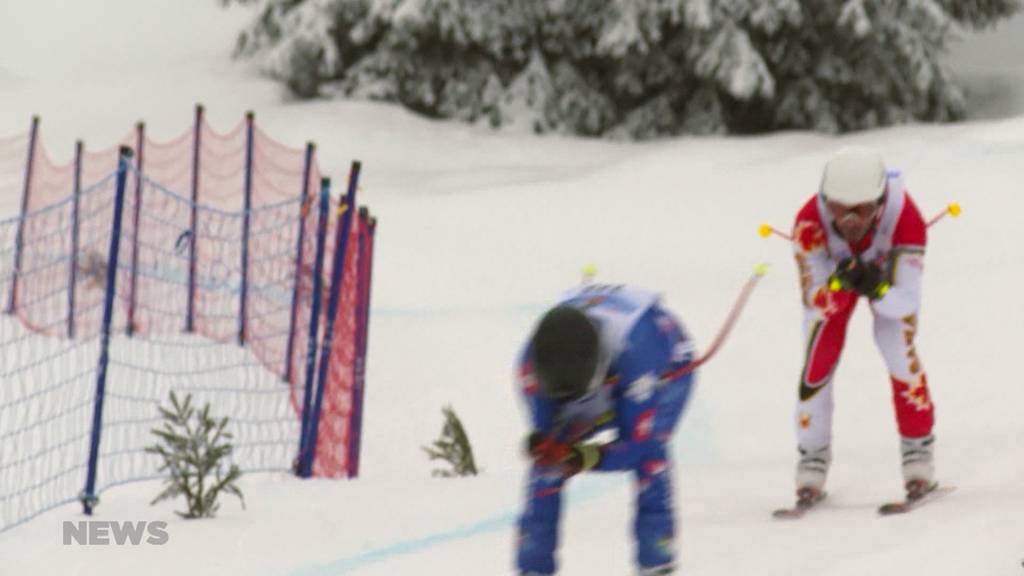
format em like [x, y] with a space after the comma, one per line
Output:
[478, 232]
[8, 81]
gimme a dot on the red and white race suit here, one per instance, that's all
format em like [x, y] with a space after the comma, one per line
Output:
[897, 244]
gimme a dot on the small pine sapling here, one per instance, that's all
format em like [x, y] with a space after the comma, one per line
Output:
[452, 447]
[193, 447]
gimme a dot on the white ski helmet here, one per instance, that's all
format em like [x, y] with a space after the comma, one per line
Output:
[854, 175]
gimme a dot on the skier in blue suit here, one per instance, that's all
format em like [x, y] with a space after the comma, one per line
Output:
[604, 358]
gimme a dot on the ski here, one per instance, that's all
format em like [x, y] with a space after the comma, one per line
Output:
[802, 506]
[909, 504]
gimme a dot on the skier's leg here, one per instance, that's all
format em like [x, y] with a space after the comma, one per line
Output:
[824, 339]
[655, 515]
[915, 414]
[538, 526]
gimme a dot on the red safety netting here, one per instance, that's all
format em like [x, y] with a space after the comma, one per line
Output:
[332, 450]
[13, 157]
[183, 263]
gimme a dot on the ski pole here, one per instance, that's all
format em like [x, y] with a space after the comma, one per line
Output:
[567, 435]
[953, 209]
[767, 230]
[759, 271]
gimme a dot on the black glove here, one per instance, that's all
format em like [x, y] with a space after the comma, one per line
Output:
[865, 279]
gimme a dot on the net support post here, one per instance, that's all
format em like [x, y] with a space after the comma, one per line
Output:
[19, 242]
[89, 497]
[344, 225]
[314, 325]
[304, 205]
[243, 294]
[76, 194]
[140, 156]
[193, 239]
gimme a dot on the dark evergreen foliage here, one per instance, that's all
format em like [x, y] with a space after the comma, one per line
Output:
[452, 447]
[628, 68]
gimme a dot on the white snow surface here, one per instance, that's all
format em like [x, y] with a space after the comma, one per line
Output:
[478, 232]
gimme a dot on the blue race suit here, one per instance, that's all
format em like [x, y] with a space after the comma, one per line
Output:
[637, 392]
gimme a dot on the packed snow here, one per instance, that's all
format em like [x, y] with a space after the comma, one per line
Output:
[478, 232]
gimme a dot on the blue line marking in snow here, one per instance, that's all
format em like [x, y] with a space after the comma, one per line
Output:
[584, 492]
[351, 563]
[693, 443]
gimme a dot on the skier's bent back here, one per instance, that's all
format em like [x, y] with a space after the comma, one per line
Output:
[604, 358]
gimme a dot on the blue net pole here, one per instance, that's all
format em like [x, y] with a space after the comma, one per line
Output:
[303, 208]
[73, 272]
[368, 226]
[193, 241]
[140, 149]
[357, 362]
[366, 340]
[337, 275]
[88, 497]
[19, 245]
[243, 297]
[314, 324]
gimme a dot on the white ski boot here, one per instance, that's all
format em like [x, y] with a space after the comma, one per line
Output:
[918, 465]
[811, 471]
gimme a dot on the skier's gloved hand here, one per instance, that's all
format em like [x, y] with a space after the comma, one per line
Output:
[546, 450]
[863, 278]
[848, 275]
[582, 457]
[572, 459]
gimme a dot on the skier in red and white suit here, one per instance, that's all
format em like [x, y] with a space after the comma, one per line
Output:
[861, 235]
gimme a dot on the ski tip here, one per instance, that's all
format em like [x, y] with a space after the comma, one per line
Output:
[788, 513]
[902, 507]
[891, 508]
[799, 509]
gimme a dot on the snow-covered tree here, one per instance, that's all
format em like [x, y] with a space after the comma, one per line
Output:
[627, 68]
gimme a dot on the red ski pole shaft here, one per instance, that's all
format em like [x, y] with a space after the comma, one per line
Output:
[953, 210]
[767, 230]
[726, 328]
